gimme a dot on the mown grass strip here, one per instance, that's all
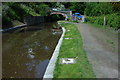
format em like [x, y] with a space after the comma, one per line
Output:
[73, 48]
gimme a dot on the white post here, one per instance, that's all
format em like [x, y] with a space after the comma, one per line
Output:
[104, 20]
[75, 18]
[71, 15]
[83, 18]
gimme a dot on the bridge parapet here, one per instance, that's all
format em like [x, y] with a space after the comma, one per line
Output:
[59, 9]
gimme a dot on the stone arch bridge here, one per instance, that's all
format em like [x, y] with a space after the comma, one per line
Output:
[66, 14]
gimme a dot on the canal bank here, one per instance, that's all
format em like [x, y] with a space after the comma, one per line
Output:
[72, 48]
[51, 66]
[27, 21]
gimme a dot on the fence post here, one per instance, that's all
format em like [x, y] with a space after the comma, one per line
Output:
[70, 15]
[75, 18]
[104, 20]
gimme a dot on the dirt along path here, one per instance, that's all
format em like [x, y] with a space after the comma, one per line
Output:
[102, 50]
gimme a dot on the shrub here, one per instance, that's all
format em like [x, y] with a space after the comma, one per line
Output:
[112, 20]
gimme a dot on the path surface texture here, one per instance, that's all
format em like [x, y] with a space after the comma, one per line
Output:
[101, 48]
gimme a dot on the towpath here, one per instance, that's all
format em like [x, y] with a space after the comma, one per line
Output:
[101, 46]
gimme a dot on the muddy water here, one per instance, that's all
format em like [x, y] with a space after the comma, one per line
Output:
[27, 51]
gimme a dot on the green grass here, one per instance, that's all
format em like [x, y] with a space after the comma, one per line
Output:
[74, 21]
[73, 48]
[101, 26]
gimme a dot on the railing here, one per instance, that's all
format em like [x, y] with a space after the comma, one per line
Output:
[58, 9]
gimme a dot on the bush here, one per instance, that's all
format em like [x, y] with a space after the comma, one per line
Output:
[112, 20]
[29, 10]
[6, 20]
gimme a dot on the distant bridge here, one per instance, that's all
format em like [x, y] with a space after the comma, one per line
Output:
[66, 13]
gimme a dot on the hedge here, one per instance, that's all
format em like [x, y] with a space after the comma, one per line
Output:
[112, 20]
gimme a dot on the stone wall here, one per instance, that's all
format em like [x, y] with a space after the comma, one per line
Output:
[31, 20]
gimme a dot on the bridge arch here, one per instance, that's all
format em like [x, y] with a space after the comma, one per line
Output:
[65, 15]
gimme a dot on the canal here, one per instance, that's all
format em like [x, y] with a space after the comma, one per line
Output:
[26, 52]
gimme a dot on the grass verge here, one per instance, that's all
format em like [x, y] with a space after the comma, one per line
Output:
[101, 26]
[73, 48]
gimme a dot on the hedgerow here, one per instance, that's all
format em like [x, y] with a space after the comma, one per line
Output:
[112, 20]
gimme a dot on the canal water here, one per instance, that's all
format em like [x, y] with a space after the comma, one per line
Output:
[26, 52]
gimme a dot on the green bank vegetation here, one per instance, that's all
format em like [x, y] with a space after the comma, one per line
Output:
[17, 11]
[97, 11]
[73, 48]
[112, 20]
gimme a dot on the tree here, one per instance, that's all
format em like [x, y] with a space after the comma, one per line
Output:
[77, 7]
[42, 9]
[18, 10]
[116, 6]
[97, 9]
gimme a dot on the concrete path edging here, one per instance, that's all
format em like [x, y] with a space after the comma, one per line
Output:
[51, 65]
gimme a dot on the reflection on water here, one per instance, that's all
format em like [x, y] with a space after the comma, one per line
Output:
[26, 52]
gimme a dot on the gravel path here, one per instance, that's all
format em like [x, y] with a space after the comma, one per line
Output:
[101, 48]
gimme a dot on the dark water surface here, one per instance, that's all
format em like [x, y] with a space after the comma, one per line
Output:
[27, 51]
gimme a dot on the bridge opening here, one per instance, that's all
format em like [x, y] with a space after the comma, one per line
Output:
[56, 17]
